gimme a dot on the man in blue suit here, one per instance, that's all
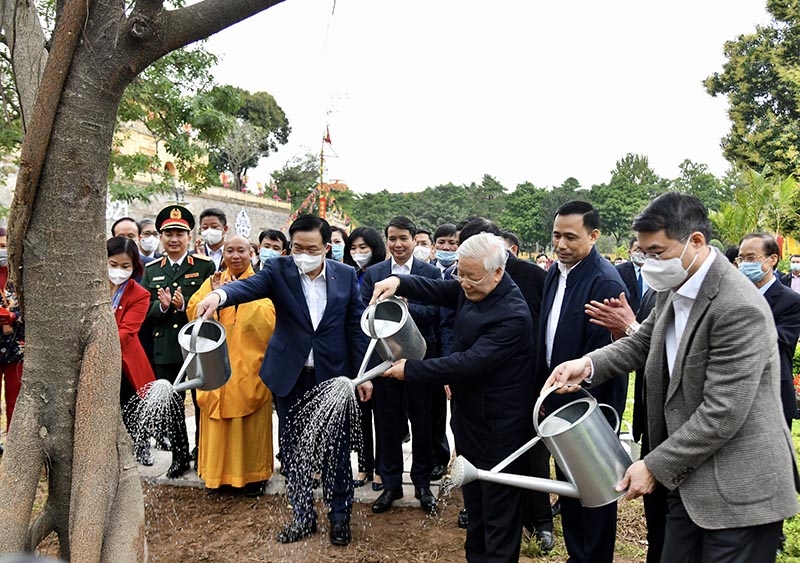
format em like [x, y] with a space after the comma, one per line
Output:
[579, 276]
[317, 337]
[390, 414]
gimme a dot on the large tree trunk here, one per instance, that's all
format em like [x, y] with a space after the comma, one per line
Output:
[67, 418]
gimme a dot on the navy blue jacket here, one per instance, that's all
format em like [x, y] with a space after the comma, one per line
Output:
[339, 343]
[594, 278]
[490, 368]
[627, 271]
[785, 305]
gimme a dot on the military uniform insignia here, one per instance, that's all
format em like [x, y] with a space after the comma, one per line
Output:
[192, 275]
[159, 278]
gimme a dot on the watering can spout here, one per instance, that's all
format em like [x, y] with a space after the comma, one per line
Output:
[463, 472]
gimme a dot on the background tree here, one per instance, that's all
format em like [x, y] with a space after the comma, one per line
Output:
[765, 202]
[762, 84]
[68, 417]
[523, 215]
[695, 179]
[297, 177]
[633, 184]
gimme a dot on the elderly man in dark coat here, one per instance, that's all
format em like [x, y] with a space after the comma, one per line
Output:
[490, 376]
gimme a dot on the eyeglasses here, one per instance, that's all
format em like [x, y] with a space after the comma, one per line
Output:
[749, 258]
[641, 255]
[472, 283]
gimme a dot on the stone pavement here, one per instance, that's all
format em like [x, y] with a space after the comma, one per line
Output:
[157, 473]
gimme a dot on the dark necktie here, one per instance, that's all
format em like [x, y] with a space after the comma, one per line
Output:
[176, 267]
[639, 282]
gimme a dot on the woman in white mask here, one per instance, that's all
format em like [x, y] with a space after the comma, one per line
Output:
[366, 248]
[130, 302]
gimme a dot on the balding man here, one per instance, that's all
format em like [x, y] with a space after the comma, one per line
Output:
[489, 373]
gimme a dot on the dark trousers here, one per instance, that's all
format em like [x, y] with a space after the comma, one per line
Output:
[366, 455]
[655, 514]
[537, 515]
[441, 447]
[177, 431]
[337, 478]
[589, 533]
[391, 426]
[495, 520]
[687, 542]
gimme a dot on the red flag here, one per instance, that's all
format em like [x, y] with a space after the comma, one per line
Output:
[327, 137]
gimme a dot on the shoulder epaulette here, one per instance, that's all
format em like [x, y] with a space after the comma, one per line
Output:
[152, 262]
[201, 256]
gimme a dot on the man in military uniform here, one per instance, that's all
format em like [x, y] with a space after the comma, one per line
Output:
[172, 281]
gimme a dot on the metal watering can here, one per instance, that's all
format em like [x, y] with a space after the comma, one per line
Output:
[583, 444]
[392, 333]
[205, 354]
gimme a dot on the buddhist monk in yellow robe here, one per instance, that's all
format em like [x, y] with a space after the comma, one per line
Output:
[236, 420]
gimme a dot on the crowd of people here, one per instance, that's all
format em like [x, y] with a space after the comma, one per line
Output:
[711, 348]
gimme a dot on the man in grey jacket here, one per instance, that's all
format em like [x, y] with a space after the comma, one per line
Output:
[711, 362]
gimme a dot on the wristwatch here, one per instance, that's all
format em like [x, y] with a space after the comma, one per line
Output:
[631, 328]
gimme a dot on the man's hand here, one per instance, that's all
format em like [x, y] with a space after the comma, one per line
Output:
[384, 289]
[614, 314]
[567, 377]
[164, 298]
[365, 391]
[177, 299]
[397, 370]
[216, 280]
[200, 246]
[637, 480]
[207, 306]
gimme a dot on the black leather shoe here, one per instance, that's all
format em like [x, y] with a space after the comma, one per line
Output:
[556, 508]
[361, 482]
[296, 530]
[438, 472]
[426, 499]
[256, 489]
[194, 454]
[463, 519]
[377, 486]
[340, 532]
[384, 502]
[546, 541]
[179, 466]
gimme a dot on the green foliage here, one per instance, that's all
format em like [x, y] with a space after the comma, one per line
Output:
[762, 83]
[695, 179]
[523, 215]
[764, 202]
[297, 178]
[633, 184]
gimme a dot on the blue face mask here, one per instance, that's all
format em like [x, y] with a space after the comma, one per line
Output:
[337, 251]
[446, 257]
[267, 254]
[753, 271]
[795, 267]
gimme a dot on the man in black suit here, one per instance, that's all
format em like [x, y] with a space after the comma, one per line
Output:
[579, 276]
[390, 413]
[792, 278]
[630, 272]
[536, 513]
[489, 373]
[758, 255]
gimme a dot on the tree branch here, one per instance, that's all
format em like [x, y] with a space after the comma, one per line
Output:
[203, 19]
[37, 138]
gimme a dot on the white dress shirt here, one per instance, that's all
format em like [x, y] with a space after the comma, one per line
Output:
[215, 255]
[555, 310]
[401, 269]
[682, 303]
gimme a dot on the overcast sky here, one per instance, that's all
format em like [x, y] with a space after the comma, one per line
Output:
[423, 92]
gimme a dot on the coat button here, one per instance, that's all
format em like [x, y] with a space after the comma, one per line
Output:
[174, 326]
[192, 283]
[175, 284]
[156, 334]
[158, 286]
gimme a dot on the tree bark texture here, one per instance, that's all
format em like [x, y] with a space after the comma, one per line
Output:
[67, 418]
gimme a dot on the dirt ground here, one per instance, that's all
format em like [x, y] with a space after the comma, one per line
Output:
[186, 524]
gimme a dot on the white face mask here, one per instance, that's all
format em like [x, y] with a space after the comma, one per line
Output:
[150, 244]
[211, 236]
[118, 276]
[306, 262]
[422, 253]
[662, 275]
[362, 259]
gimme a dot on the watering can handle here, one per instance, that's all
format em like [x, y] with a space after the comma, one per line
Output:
[614, 412]
[195, 333]
[540, 401]
[371, 325]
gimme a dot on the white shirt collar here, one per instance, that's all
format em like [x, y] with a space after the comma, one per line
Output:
[179, 260]
[691, 287]
[407, 265]
[763, 289]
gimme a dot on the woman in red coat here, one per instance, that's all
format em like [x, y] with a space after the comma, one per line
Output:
[130, 302]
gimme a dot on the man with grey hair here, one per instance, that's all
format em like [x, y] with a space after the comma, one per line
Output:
[489, 373]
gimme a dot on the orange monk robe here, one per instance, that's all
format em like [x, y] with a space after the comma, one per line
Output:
[236, 419]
